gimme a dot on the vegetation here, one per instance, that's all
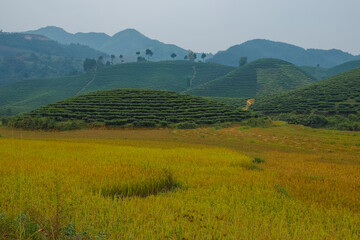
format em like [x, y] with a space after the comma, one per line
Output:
[237, 102]
[171, 75]
[129, 107]
[170, 183]
[259, 78]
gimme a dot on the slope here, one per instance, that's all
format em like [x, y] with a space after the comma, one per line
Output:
[343, 68]
[260, 48]
[339, 94]
[172, 75]
[141, 108]
[258, 78]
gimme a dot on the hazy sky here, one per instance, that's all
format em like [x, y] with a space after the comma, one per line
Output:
[200, 25]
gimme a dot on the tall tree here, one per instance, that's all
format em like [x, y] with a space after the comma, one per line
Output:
[112, 58]
[243, 60]
[173, 55]
[99, 63]
[149, 53]
[192, 56]
[121, 58]
[89, 64]
[203, 56]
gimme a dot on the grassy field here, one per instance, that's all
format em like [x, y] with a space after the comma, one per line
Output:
[180, 184]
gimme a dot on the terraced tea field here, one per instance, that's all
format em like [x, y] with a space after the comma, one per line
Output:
[282, 182]
[124, 107]
[337, 95]
[259, 78]
[175, 76]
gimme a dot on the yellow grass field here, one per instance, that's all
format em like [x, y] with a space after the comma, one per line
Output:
[180, 184]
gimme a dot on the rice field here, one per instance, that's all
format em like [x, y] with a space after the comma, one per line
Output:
[282, 182]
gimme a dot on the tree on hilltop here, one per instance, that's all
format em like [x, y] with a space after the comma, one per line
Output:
[192, 56]
[203, 56]
[243, 61]
[149, 53]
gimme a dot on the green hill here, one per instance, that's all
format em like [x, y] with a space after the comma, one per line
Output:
[258, 78]
[343, 68]
[176, 76]
[323, 73]
[339, 94]
[138, 107]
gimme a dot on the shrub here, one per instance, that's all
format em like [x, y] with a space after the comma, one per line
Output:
[4, 120]
[97, 124]
[263, 122]
[220, 125]
[258, 160]
[186, 125]
[69, 125]
[317, 121]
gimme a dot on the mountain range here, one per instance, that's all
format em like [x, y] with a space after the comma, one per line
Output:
[130, 41]
[126, 43]
[261, 48]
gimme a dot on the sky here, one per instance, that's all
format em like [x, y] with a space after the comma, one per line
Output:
[199, 25]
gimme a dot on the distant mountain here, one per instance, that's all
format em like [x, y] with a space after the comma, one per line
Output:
[13, 43]
[339, 94]
[258, 78]
[166, 75]
[259, 48]
[126, 43]
[31, 55]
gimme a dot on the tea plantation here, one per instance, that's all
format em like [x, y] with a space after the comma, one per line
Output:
[129, 107]
[258, 78]
[175, 76]
[337, 95]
